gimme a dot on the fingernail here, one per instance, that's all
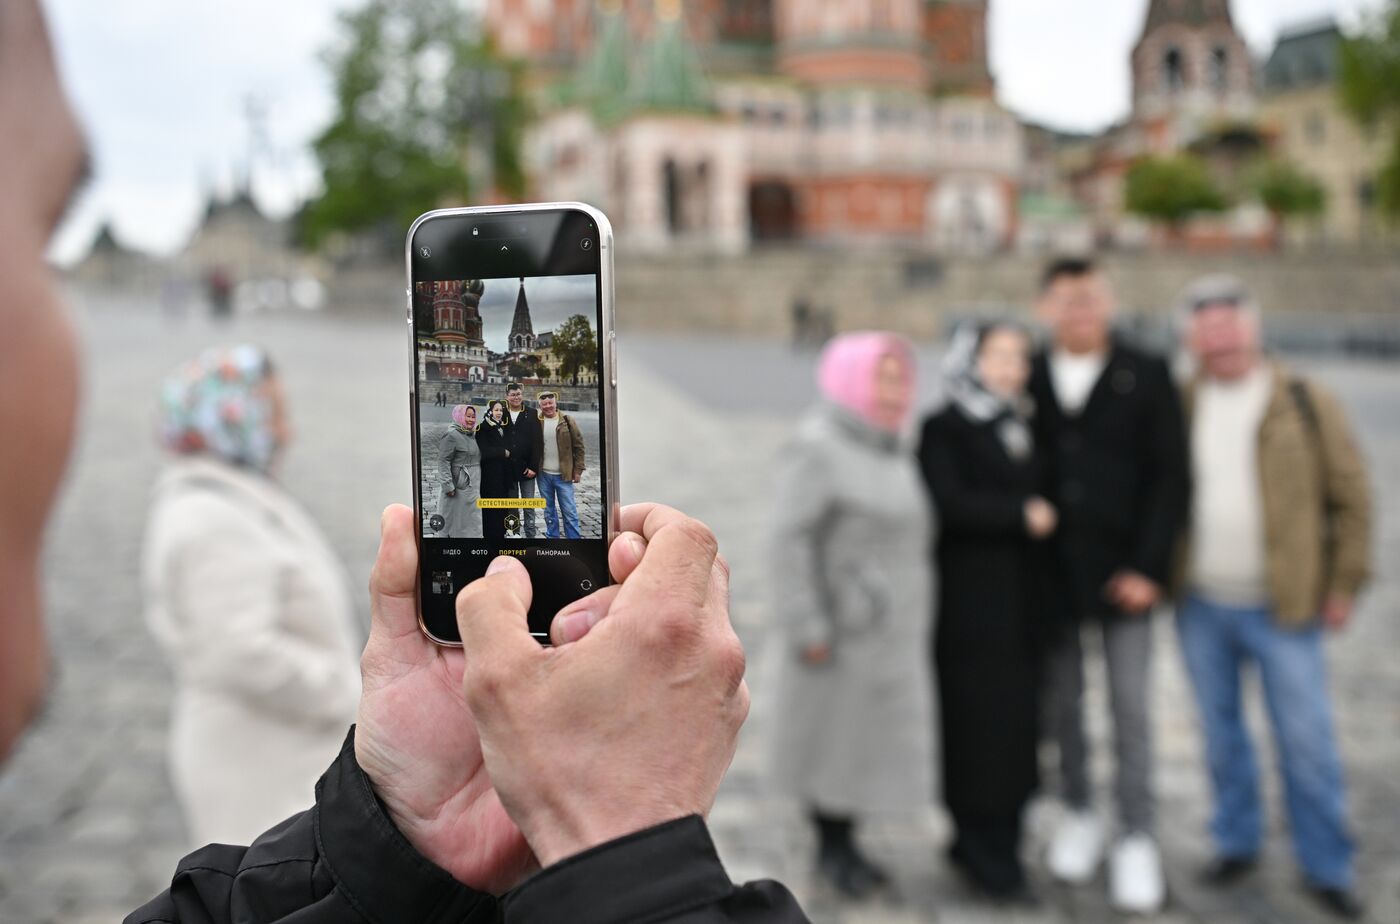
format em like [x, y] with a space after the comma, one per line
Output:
[575, 625]
[636, 546]
[498, 564]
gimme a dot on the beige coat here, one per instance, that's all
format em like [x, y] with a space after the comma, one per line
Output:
[253, 610]
[1317, 505]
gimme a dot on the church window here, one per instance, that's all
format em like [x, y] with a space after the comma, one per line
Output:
[1220, 70]
[1173, 71]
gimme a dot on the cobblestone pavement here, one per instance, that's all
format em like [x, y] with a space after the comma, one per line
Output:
[434, 421]
[88, 828]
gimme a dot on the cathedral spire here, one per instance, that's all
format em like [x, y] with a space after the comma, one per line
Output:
[522, 331]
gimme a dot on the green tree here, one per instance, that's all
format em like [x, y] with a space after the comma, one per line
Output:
[417, 90]
[1285, 190]
[575, 347]
[1171, 188]
[1369, 85]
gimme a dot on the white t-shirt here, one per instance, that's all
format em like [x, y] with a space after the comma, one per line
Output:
[514, 415]
[1074, 376]
[551, 445]
[1229, 563]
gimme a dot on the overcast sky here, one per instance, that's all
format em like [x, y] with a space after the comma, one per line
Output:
[163, 86]
[553, 299]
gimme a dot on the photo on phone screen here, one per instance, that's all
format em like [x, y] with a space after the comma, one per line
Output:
[511, 415]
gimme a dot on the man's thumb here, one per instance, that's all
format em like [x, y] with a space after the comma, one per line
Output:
[493, 618]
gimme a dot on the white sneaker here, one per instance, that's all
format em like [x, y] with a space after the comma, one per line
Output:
[1135, 881]
[1077, 848]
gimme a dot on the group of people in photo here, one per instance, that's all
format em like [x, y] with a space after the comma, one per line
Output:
[508, 450]
[1065, 491]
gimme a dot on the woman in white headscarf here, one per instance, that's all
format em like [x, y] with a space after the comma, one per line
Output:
[979, 461]
[249, 602]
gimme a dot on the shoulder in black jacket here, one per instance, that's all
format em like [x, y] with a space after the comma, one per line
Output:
[1118, 472]
[344, 861]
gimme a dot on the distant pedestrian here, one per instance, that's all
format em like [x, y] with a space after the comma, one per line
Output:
[1279, 548]
[801, 323]
[980, 461]
[497, 468]
[219, 286]
[852, 590]
[1109, 419]
[562, 459]
[249, 602]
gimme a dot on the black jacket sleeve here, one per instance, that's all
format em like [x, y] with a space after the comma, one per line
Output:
[534, 459]
[961, 507]
[492, 443]
[1169, 480]
[343, 861]
[667, 873]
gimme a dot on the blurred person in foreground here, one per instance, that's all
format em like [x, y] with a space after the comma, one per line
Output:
[593, 762]
[1108, 417]
[979, 458]
[852, 592]
[1279, 547]
[249, 602]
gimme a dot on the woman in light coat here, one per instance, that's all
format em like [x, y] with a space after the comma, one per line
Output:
[853, 591]
[249, 603]
[459, 461]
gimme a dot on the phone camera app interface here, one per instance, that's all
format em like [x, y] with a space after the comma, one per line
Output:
[509, 425]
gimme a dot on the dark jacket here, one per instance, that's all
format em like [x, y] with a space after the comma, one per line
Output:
[525, 441]
[990, 615]
[1117, 471]
[343, 861]
[497, 462]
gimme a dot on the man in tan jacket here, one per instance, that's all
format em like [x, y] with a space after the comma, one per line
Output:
[561, 466]
[1278, 548]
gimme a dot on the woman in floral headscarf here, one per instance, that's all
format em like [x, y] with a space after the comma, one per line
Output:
[853, 525]
[459, 464]
[249, 603]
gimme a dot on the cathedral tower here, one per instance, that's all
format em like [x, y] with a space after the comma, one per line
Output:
[1190, 69]
[956, 32]
[522, 330]
[868, 42]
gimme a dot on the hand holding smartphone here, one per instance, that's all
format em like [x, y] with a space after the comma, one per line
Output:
[513, 402]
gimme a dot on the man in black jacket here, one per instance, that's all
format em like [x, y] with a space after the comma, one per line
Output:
[526, 446]
[594, 761]
[1109, 421]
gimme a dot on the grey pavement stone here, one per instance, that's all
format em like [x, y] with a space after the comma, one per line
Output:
[88, 826]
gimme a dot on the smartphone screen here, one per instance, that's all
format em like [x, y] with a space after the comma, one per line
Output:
[512, 403]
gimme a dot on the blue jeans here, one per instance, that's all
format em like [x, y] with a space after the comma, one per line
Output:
[1217, 641]
[558, 494]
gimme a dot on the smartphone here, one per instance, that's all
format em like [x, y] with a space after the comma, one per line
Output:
[512, 398]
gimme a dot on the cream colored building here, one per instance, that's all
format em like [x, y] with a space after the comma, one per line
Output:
[1303, 111]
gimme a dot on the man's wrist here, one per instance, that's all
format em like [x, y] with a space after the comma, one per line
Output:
[558, 839]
